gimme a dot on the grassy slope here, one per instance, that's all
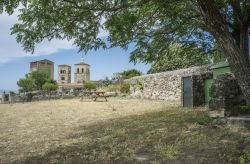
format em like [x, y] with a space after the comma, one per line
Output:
[171, 136]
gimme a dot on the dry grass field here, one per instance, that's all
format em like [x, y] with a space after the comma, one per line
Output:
[118, 131]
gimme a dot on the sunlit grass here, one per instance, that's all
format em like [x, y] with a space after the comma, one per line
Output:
[137, 131]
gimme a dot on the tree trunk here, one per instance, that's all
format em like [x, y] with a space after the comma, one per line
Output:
[236, 52]
[239, 64]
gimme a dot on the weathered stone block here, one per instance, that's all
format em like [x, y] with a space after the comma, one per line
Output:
[225, 93]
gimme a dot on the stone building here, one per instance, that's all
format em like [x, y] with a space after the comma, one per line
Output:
[43, 65]
[64, 74]
[81, 72]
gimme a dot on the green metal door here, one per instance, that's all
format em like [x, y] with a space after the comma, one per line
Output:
[208, 84]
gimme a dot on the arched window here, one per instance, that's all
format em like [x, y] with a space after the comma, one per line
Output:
[78, 70]
[82, 70]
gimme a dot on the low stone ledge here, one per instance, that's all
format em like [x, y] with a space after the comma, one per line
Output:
[239, 121]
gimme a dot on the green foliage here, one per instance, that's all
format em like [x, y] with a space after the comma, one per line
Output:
[26, 84]
[130, 73]
[49, 86]
[111, 88]
[105, 82]
[125, 88]
[245, 157]
[40, 77]
[52, 81]
[151, 25]
[36, 81]
[244, 109]
[205, 119]
[90, 85]
[178, 56]
[12, 93]
[138, 85]
[247, 140]
[218, 55]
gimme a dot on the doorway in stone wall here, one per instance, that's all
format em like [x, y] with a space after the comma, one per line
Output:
[187, 92]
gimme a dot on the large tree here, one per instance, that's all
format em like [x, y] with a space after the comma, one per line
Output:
[151, 25]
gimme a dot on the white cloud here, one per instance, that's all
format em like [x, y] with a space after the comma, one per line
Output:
[10, 49]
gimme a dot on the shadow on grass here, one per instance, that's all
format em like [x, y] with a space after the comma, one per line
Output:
[171, 136]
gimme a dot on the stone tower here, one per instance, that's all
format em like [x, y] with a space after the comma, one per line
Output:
[43, 65]
[64, 74]
[82, 73]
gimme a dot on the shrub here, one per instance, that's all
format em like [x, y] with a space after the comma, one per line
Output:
[90, 85]
[125, 88]
[111, 88]
[204, 119]
[26, 84]
[50, 86]
[129, 74]
[245, 109]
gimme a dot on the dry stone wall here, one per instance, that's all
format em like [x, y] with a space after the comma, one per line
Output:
[226, 95]
[164, 86]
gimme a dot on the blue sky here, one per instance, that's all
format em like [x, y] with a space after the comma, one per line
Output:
[103, 63]
[14, 62]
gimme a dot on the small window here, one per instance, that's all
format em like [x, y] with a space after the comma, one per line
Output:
[62, 78]
[78, 70]
[63, 71]
[82, 70]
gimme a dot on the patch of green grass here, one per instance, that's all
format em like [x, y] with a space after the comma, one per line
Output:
[247, 139]
[204, 119]
[245, 109]
[245, 157]
[170, 136]
[245, 154]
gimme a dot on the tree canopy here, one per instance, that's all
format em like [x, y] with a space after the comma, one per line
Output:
[49, 86]
[151, 25]
[26, 84]
[129, 74]
[178, 56]
[36, 81]
[40, 77]
[90, 85]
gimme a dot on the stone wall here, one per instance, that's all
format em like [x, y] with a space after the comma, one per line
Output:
[164, 86]
[38, 96]
[1, 98]
[226, 95]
